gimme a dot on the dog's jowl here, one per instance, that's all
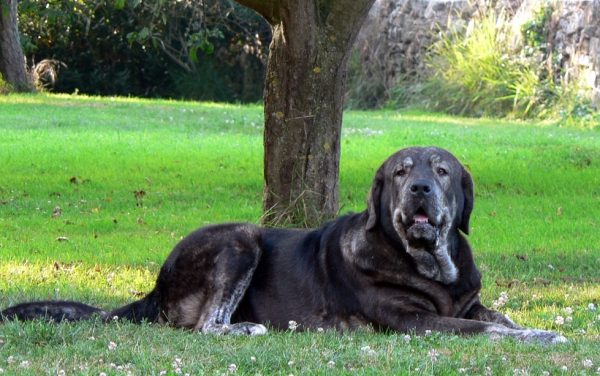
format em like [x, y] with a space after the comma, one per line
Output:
[403, 264]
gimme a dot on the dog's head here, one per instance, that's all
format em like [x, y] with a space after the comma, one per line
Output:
[421, 196]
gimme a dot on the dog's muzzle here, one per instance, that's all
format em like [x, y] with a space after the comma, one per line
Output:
[421, 233]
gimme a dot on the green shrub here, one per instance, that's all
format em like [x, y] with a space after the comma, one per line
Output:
[479, 75]
[148, 49]
[481, 70]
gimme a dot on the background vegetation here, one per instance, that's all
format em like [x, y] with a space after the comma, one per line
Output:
[479, 71]
[96, 191]
[217, 50]
[201, 50]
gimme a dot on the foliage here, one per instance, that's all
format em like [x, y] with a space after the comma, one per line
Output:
[365, 88]
[534, 232]
[4, 87]
[480, 70]
[481, 77]
[143, 48]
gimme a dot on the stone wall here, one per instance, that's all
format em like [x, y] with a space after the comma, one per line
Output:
[396, 37]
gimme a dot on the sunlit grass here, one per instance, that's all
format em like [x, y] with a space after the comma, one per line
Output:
[535, 233]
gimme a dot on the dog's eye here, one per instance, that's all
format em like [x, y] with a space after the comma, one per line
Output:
[400, 173]
[442, 171]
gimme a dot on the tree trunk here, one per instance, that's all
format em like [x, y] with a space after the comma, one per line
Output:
[303, 99]
[12, 62]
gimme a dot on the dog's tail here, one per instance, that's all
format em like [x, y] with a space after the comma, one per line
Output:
[147, 308]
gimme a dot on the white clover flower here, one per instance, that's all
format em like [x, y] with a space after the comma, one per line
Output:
[24, 364]
[592, 307]
[61, 372]
[407, 338]
[292, 325]
[462, 370]
[253, 359]
[427, 332]
[330, 364]
[564, 368]
[112, 345]
[320, 330]
[587, 363]
[433, 355]
[102, 374]
[368, 350]
[559, 320]
[569, 319]
[232, 368]
[568, 310]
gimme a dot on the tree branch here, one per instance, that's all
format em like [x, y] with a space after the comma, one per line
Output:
[174, 58]
[344, 16]
[268, 9]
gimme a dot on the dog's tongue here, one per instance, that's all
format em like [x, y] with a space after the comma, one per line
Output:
[420, 218]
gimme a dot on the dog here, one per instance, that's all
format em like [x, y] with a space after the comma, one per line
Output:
[402, 265]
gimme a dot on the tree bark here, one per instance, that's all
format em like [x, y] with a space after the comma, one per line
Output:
[303, 99]
[12, 62]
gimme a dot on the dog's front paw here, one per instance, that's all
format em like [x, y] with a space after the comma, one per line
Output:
[527, 335]
[543, 336]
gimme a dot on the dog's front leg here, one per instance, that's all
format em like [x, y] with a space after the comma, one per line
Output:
[421, 322]
[481, 313]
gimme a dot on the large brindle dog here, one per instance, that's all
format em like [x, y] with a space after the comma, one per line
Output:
[402, 264]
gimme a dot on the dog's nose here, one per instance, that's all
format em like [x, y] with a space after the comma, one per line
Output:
[421, 187]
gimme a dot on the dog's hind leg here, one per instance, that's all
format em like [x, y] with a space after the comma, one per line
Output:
[233, 273]
[206, 276]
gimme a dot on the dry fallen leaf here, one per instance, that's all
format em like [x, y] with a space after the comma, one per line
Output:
[541, 281]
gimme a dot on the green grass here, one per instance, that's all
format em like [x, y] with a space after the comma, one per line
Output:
[535, 232]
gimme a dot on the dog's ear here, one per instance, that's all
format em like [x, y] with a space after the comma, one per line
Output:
[374, 199]
[469, 201]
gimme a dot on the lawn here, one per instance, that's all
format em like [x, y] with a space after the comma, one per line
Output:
[94, 192]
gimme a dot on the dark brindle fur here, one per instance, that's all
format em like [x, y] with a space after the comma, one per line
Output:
[402, 264]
